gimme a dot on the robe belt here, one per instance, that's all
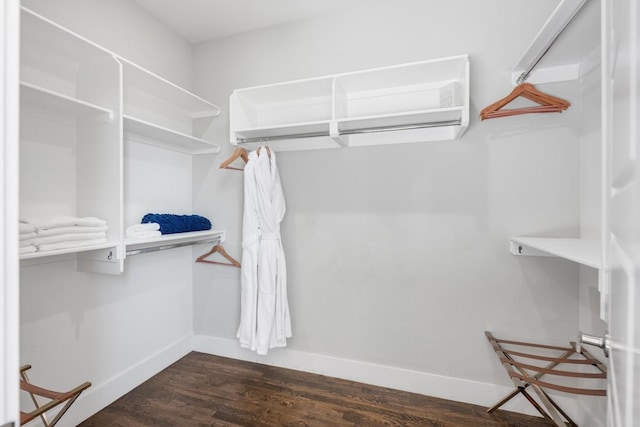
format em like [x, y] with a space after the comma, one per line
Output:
[262, 236]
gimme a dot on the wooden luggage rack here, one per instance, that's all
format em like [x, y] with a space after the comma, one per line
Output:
[55, 398]
[526, 375]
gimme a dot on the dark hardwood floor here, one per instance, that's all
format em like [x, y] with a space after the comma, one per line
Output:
[205, 390]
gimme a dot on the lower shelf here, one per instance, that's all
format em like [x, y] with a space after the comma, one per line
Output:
[582, 251]
[170, 241]
[286, 131]
[445, 124]
[158, 136]
[36, 96]
[108, 257]
[34, 255]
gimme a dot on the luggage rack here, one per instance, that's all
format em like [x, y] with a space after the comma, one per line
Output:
[54, 399]
[526, 375]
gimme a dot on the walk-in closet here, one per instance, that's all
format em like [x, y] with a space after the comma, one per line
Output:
[323, 213]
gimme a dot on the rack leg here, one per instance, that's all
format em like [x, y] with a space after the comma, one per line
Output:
[551, 410]
[503, 401]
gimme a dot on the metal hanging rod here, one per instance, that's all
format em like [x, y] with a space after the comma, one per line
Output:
[132, 252]
[288, 136]
[563, 15]
[456, 122]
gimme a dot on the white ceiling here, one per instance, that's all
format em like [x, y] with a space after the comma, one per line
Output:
[200, 20]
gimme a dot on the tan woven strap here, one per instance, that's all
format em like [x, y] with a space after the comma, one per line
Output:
[573, 390]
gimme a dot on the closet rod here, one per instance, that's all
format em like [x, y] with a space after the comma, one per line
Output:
[288, 136]
[353, 131]
[402, 127]
[562, 8]
[132, 252]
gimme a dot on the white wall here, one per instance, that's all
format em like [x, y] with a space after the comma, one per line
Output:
[115, 331]
[398, 255]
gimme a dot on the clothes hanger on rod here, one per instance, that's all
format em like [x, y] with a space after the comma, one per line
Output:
[547, 103]
[218, 249]
[266, 147]
[237, 153]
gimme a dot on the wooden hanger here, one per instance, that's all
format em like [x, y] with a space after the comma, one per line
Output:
[266, 148]
[548, 103]
[219, 249]
[237, 153]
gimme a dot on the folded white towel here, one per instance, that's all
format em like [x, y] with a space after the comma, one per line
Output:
[71, 237]
[28, 249]
[143, 234]
[69, 245]
[67, 221]
[147, 226]
[26, 228]
[27, 236]
[72, 230]
[27, 242]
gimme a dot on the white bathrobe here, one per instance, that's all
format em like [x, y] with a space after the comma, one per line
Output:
[264, 317]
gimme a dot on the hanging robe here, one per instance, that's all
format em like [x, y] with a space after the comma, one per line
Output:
[264, 310]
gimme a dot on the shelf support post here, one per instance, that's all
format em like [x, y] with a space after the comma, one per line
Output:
[334, 133]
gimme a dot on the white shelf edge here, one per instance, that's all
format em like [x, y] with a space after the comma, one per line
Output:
[582, 251]
[336, 76]
[169, 139]
[295, 144]
[87, 107]
[400, 114]
[65, 30]
[44, 254]
[283, 126]
[213, 112]
[166, 239]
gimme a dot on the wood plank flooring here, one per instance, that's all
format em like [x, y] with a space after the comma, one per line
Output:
[206, 390]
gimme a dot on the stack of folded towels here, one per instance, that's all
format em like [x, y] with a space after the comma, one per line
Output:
[27, 237]
[65, 232]
[144, 231]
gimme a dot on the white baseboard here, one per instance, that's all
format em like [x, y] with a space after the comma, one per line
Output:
[474, 392]
[99, 396]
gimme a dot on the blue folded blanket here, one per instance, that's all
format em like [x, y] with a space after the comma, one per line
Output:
[170, 223]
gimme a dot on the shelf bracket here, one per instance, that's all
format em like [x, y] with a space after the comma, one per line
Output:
[523, 250]
[106, 261]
